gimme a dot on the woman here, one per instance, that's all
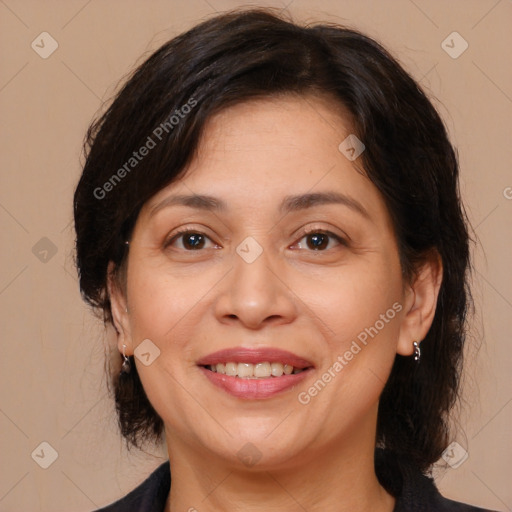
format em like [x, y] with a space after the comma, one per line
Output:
[269, 216]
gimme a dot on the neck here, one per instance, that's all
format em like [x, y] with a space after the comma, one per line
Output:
[338, 478]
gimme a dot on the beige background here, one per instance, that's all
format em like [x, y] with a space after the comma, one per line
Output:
[53, 386]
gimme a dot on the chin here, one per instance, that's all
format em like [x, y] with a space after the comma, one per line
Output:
[259, 450]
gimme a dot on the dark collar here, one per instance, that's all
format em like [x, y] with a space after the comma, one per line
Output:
[414, 492]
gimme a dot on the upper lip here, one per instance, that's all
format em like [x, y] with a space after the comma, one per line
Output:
[254, 356]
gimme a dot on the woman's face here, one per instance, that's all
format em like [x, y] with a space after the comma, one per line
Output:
[300, 257]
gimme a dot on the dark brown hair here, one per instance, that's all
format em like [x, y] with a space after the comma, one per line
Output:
[232, 58]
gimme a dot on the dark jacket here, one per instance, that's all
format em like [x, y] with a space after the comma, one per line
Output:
[414, 492]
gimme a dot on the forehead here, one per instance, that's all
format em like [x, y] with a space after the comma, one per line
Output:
[282, 121]
[266, 145]
[270, 159]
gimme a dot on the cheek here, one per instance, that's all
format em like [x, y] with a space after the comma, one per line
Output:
[165, 310]
[160, 302]
[355, 297]
[170, 311]
[364, 322]
[360, 305]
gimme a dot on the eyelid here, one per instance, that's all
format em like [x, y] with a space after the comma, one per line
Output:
[185, 231]
[342, 238]
[329, 234]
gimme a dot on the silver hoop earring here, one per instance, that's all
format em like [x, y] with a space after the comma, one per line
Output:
[126, 366]
[417, 351]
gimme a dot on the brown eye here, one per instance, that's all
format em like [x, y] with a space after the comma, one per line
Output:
[190, 240]
[319, 240]
[193, 241]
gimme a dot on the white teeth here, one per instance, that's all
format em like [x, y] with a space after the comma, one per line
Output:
[262, 370]
[276, 369]
[231, 369]
[254, 371]
[287, 369]
[245, 370]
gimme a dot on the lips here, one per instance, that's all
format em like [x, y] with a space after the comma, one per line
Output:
[255, 388]
[255, 356]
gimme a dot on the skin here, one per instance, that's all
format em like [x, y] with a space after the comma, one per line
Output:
[313, 302]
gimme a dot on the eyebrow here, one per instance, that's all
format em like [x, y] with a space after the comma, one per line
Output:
[304, 201]
[289, 204]
[198, 201]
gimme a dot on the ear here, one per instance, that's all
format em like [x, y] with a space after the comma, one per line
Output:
[420, 303]
[119, 310]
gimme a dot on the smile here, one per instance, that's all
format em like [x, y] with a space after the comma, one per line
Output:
[262, 370]
[254, 373]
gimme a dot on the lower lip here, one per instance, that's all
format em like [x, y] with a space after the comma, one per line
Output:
[255, 389]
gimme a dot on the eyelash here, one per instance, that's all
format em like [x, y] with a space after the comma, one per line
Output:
[180, 233]
[342, 241]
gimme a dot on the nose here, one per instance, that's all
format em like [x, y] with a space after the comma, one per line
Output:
[256, 294]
